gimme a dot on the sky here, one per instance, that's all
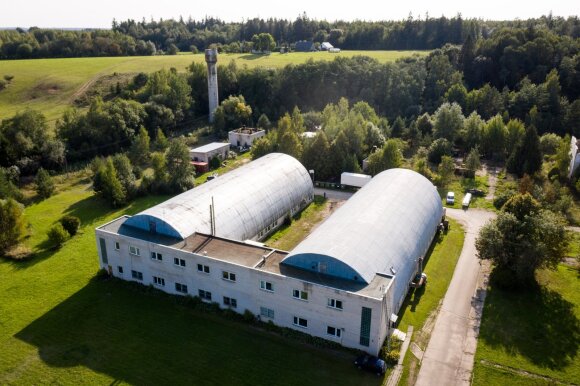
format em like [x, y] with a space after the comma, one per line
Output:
[100, 13]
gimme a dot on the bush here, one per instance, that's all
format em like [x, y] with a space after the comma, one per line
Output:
[58, 235]
[71, 224]
[503, 197]
[249, 316]
[214, 163]
[392, 357]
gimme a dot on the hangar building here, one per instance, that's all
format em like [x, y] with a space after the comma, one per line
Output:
[342, 283]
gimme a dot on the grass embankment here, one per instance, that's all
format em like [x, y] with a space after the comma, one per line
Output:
[52, 85]
[533, 336]
[420, 307]
[58, 324]
[230, 164]
[288, 236]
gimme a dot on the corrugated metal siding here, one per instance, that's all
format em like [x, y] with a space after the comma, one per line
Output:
[390, 222]
[247, 200]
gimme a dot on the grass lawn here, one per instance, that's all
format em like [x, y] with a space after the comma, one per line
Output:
[230, 165]
[536, 330]
[460, 184]
[419, 308]
[51, 85]
[59, 324]
[287, 237]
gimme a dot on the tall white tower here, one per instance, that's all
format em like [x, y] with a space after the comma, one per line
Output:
[212, 81]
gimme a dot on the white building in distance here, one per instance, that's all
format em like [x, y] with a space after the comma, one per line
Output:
[245, 136]
[345, 282]
[206, 152]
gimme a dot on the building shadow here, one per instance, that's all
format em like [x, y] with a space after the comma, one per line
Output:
[140, 336]
[536, 323]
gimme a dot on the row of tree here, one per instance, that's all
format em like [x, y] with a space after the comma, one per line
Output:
[132, 37]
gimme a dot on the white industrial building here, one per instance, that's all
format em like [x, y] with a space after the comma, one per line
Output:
[344, 282]
[245, 136]
[206, 152]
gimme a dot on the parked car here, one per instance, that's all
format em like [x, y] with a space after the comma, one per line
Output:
[371, 363]
[450, 200]
[476, 192]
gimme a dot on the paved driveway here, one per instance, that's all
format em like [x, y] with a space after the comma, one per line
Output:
[448, 359]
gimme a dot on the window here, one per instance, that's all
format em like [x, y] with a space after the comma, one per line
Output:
[302, 295]
[134, 250]
[365, 326]
[179, 262]
[159, 281]
[334, 303]
[205, 294]
[300, 322]
[120, 269]
[267, 312]
[229, 276]
[230, 302]
[333, 331]
[137, 275]
[157, 256]
[266, 286]
[181, 288]
[203, 268]
[117, 246]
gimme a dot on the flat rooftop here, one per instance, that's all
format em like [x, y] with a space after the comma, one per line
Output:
[249, 255]
[246, 130]
[210, 147]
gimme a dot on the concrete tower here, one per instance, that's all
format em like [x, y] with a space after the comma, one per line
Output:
[212, 81]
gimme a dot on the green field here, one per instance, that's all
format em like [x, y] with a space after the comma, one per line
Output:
[51, 85]
[533, 333]
[60, 324]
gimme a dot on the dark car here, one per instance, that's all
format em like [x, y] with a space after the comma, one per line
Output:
[371, 363]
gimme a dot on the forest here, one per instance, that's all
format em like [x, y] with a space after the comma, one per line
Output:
[156, 37]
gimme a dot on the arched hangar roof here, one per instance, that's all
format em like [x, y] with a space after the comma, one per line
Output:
[384, 228]
[247, 200]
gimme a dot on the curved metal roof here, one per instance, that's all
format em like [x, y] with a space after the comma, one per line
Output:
[384, 228]
[247, 200]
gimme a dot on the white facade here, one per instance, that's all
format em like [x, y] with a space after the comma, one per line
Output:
[281, 305]
[207, 152]
[574, 157]
[245, 136]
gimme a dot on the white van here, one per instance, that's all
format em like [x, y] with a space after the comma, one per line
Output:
[466, 200]
[450, 200]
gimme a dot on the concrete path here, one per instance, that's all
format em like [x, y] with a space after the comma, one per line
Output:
[395, 377]
[448, 359]
[338, 195]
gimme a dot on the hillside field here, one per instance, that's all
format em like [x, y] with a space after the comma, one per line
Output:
[52, 85]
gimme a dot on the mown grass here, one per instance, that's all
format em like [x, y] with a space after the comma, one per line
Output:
[61, 325]
[288, 236]
[535, 330]
[421, 303]
[459, 185]
[49, 85]
[230, 164]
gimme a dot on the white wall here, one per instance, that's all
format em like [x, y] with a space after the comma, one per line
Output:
[246, 290]
[245, 140]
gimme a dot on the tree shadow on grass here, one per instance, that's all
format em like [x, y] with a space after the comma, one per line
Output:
[414, 295]
[535, 322]
[142, 336]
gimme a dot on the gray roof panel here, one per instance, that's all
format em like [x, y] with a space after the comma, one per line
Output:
[246, 199]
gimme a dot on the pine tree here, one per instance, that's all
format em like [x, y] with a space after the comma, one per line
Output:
[44, 184]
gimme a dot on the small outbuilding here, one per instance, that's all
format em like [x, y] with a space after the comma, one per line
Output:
[206, 152]
[245, 136]
[325, 46]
